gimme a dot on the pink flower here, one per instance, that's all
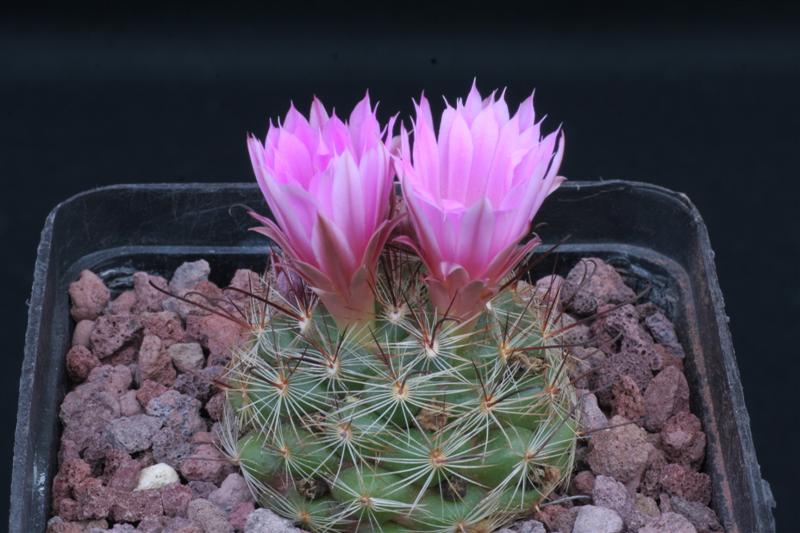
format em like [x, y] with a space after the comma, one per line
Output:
[328, 184]
[472, 193]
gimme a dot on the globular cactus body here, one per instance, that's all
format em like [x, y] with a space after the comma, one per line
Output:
[413, 421]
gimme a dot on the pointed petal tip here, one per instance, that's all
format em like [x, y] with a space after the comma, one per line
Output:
[317, 103]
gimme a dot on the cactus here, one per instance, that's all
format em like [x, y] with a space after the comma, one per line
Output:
[419, 391]
[412, 421]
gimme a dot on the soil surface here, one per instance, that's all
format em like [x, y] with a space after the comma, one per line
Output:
[139, 447]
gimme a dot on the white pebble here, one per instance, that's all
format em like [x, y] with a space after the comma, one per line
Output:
[156, 476]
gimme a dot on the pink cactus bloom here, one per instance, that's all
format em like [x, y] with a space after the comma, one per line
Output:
[472, 193]
[328, 184]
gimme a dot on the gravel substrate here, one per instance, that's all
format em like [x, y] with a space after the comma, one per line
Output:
[138, 447]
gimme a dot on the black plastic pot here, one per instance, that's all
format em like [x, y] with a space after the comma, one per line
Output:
[657, 234]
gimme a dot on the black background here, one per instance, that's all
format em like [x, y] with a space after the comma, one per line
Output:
[701, 100]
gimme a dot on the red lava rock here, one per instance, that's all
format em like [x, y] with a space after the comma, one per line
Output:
[654, 439]
[621, 452]
[121, 528]
[232, 492]
[179, 525]
[646, 309]
[590, 354]
[678, 480]
[205, 464]
[574, 334]
[68, 509]
[666, 395]
[238, 516]
[165, 325]
[247, 281]
[204, 437]
[214, 374]
[75, 471]
[547, 515]
[628, 401]
[134, 433]
[60, 491]
[112, 332]
[80, 361]
[701, 516]
[617, 364]
[669, 523]
[200, 384]
[663, 332]
[548, 290]
[664, 358]
[611, 494]
[124, 356]
[153, 524]
[551, 516]
[171, 447]
[591, 283]
[582, 483]
[202, 489]
[89, 296]
[185, 279]
[59, 525]
[629, 348]
[580, 303]
[206, 513]
[70, 474]
[148, 298]
[643, 512]
[615, 324]
[93, 498]
[651, 480]
[194, 384]
[135, 506]
[207, 294]
[128, 404]
[175, 499]
[82, 333]
[188, 275]
[115, 379]
[68, 451]
[215, 406]
[580, 372]
[587, 358]
[148, 390]
[683, 440]
[218, 334]
[123, 304]
[178, 411]
[121, 471]
[85, 413]
[155, 363]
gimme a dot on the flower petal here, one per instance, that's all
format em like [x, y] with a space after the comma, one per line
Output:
[332, 253]
[459, 154]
